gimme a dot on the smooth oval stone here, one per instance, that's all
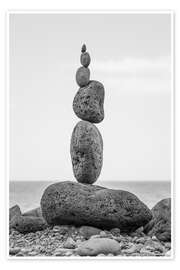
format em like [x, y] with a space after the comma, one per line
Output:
[85, 59]
[86, 152]
[77, 204]
[93, 247]
[82, 76]
[88, 103]
[88, 231]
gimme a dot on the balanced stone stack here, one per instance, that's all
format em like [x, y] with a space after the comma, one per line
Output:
[86, 140]
[82, 203]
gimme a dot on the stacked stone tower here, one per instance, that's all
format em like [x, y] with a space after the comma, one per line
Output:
[86, 141]
[82, 203]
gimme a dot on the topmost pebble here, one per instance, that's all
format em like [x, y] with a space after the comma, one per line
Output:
[83, 49]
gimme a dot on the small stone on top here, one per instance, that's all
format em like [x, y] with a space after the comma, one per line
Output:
[83, 49]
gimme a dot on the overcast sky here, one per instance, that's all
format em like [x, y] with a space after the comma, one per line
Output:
[130, 55]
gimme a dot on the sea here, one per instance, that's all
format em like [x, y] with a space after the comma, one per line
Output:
[27, 194]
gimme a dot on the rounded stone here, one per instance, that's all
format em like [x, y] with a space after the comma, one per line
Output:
[86, 152]
[82, 76]
[160, 225]
[27, 224]
[85, 59]
[93, 247]
[78, 204]
[88, 231]
[88, 103]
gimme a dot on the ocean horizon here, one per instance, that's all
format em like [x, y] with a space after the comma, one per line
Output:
[27, 194]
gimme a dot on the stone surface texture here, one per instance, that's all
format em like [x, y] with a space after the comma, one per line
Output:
[88, 103]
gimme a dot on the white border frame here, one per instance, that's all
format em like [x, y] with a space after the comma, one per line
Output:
[7, 156]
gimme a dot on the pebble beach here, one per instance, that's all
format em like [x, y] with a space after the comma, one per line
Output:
[68, 241]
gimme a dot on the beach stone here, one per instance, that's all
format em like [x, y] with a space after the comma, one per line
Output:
[85, 59]
[88, 231]
[36, 212]
[20, 254]
[103, 234]
[69, 243]
[61, 229]
[118, 238]
[101, 255]
[130, 250]
[141, 240]
[93, 247]
[160, 225]
[168, 253]
[154, 245]
[115, 231]
[86, 152]
[95, 236]
[146, 252]
[62, 252]
[154, 238]
[26, 250]
[168, 245]
[77, 204]
[82, 76]
[14, 211]
[33, 253]
[27, 224]
[88, 103]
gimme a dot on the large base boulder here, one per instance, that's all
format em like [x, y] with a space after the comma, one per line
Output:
[160, 225]
[78, 204]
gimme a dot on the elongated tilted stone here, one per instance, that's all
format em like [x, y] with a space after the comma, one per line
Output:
[86, 152]
[88, 103]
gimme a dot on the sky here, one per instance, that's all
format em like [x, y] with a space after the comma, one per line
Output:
[130, 55]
